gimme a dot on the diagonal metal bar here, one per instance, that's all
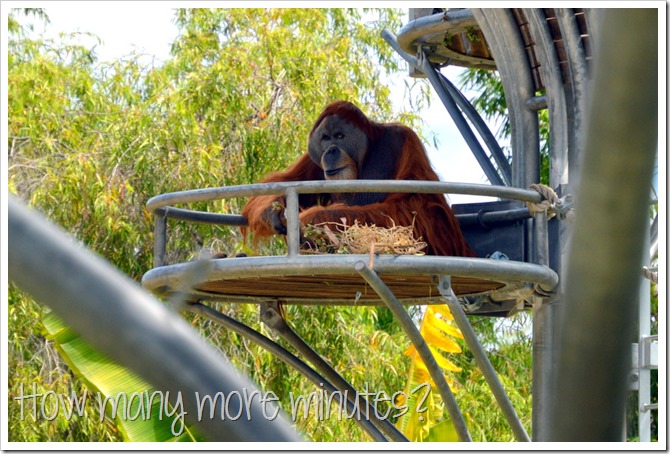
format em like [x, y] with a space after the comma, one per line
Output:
[482, 360]
[122, 320]
[450, 104]
[421, 347]
[489, 139]
[429, 70]
[285, 356]
[271, 316]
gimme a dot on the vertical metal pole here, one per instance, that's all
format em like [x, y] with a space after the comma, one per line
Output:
[459, 121]
[543, 337]
[160, 236]
[544, 369]
[644, 382]
[603, 273]
[541, 240]
[292, 222]
[420, 345]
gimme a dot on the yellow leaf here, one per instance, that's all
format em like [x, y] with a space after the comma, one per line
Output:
[444, 326]
[411, 351]
[420, 373]
[436, 338]
[436, 330]
[443, 362]
[442, 309]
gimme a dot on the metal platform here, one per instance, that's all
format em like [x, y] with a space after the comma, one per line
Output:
[331, 279]
[454, 38]
[484, 285]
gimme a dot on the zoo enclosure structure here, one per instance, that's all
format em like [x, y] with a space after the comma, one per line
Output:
[494, 286]
[45, 263]
[543, 58]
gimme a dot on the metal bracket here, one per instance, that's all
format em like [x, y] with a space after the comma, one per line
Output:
[648, 352]
[645, 356]
[647, 407]
[634, 378]
[445, 285]
[645, 353]
[564, 208]
[270, 314]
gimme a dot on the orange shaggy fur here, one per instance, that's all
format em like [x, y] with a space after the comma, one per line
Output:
[433, 219]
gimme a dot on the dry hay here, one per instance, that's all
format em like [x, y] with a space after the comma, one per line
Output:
[340, 238]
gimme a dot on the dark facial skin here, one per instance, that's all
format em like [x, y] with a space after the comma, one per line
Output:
[339, 148]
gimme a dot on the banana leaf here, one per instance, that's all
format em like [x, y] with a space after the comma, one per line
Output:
[141, 412]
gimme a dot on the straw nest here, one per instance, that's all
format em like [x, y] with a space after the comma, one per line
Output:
[340, 238]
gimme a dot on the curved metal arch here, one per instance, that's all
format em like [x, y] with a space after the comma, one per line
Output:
[559, 132]
[577, 87]
[320, 187]
[594, 18]
[502, 34]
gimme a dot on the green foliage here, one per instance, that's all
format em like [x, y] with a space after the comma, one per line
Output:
[508, 344]
[140, 412]
[36, 368]
[235, 102]
[89, 143]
